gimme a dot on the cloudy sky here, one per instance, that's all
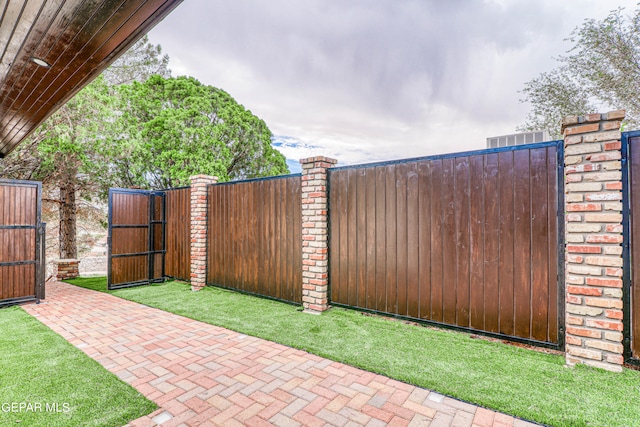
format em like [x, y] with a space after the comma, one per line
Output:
[366, 80]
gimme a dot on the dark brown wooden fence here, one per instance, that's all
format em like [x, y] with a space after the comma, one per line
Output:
[178, 234]
[21, 242]
[632, 285]
[255, 242]
[469, 240]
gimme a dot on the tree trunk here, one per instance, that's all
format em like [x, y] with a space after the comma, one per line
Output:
[67, 209]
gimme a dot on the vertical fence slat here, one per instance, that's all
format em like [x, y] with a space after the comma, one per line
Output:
[449, 243]
[278, 239]
[254, 238]
[391, 240]
[413, 249]
[215, 265]
[352, 190]
[370, 213]
[228, 244]
[381, 249]
[491, 244]
[401, 239]
[293, 257]
[342, 293]
[478, 236]
[424, 238]
[437, 239]
[297, 239]
[335, 233]
[361, 240]
[270, 247]
[462, 258]
[506, 250]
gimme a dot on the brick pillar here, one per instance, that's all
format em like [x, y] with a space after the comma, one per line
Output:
[315, 244]
[199, 207]
[593, 248]
[64, 269]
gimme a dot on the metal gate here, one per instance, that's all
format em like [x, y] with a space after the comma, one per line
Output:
[631, 249]
[136, 237]
[21, 242]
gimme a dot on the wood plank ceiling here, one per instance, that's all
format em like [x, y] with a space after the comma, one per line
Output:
[76, 38]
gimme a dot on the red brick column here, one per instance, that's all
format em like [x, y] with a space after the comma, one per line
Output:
[199, 209]
[315, 244]
[64, 269]
[593, 248]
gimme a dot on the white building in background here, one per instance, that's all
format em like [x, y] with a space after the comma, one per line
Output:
[518, 139]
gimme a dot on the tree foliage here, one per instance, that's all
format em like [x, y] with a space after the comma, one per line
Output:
[135, 126]
[600, 71]
[138, 64]
[69, 151]
[66, 154]
[173, 128]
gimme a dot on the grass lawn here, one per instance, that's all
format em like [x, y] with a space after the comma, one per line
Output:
[57, 384]
[525, 383]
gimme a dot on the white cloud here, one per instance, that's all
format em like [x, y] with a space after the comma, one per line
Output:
[368, 80]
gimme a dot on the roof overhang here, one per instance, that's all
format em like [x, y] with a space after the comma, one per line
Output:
[78, 39]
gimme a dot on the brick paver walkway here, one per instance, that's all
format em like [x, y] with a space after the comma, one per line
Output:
[203, 375]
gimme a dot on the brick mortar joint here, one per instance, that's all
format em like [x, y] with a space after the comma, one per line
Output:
[572, 121]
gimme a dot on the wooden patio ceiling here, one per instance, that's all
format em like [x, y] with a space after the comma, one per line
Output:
[75, 39]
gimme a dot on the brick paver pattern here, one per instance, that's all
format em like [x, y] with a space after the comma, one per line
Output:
[204, 375]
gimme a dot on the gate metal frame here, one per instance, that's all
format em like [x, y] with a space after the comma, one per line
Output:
[150, 252]
[40, 235]
[627, 278]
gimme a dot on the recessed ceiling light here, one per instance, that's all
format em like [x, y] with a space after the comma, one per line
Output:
[40, 62]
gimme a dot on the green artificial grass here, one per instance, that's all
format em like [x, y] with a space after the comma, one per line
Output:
[45, 381]
[525, 383]
[94, 283]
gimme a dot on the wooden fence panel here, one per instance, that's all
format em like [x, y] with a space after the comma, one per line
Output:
[634, 248]
[178, 233]
[255, 237]
[468, 240]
